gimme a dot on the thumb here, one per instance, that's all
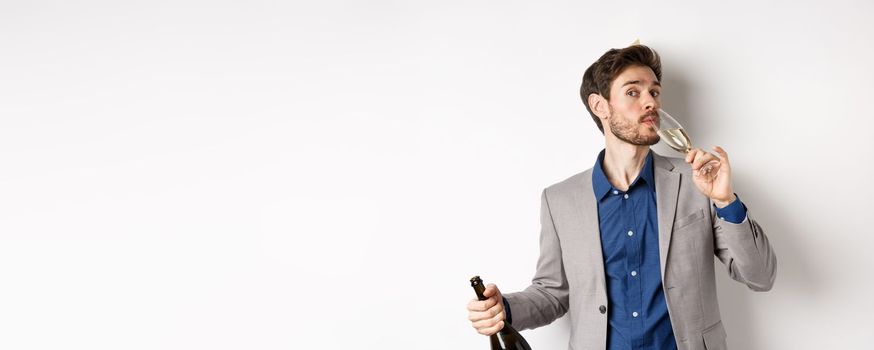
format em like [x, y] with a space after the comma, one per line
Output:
[491, 290]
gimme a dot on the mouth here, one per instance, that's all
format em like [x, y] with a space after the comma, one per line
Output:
[651, 121]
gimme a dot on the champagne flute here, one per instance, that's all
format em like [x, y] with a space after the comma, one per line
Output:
[673, 134]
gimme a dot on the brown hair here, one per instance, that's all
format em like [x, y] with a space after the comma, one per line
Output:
[600, 75]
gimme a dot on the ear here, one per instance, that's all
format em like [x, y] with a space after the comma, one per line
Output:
[599, 106]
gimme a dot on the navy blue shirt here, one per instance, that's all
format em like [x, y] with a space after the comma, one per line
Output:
[628, 220]
[638, 315]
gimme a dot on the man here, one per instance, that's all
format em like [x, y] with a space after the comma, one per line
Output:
[627, 246]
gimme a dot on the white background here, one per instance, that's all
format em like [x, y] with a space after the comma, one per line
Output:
[329, 174]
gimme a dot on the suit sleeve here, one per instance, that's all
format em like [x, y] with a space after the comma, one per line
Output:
[546, 299]
[745, 251]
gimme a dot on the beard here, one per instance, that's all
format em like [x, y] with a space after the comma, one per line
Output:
[629, 131]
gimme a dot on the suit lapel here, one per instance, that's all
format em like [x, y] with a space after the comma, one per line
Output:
[667, 192]
[584, 202]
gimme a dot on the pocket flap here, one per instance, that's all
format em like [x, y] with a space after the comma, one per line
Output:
[714, 337]
[686, 220]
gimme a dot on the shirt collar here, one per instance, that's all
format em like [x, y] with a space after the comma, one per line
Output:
[602, 186]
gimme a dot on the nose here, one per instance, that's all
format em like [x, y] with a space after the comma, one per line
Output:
[650, 103]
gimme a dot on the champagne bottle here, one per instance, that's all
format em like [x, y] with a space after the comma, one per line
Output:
[511, 338]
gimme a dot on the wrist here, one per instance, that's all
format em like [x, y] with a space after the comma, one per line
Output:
[722, 203]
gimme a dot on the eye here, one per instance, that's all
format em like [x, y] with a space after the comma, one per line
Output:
[655, 93]
[631, 93]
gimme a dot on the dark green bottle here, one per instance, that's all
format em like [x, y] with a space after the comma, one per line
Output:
[508, 335]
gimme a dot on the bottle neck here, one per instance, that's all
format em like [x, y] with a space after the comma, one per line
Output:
[478, 287]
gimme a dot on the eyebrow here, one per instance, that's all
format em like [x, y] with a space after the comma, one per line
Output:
[630, 82]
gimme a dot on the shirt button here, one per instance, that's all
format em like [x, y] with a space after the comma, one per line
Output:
[615, 192]
[634, 273]
[630, 233]
[626, 196]
[603, 309]
[634, 314]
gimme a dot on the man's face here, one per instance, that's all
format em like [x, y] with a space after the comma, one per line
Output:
[635, 95]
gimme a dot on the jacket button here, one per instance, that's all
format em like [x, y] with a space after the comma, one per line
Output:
[603, 309]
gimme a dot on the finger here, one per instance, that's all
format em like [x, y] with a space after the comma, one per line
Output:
[476, 316]
[489, 321]
[492, 330]
[709, 169]
[702, 159]
[491, 290]
[493, 310]
[697, 155]
[481, 305]
[473, 305]
[691, 155]
[489, 303]
[476, 305]
[488, 313]
[721, 154]
[486, 322]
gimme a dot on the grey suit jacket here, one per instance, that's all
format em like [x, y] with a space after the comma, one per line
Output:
[570, 270]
